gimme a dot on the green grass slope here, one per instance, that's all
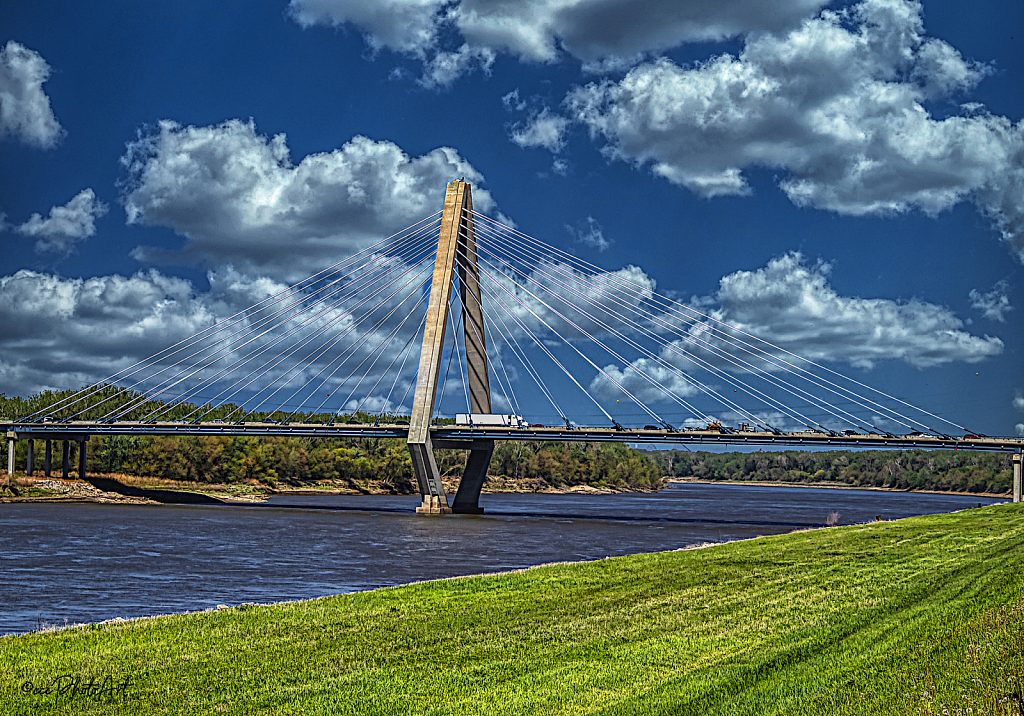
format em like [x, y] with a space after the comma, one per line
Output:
[923, 615]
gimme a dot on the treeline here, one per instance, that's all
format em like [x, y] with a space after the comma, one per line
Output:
[357, 462]
[383, 463]
[947, 470]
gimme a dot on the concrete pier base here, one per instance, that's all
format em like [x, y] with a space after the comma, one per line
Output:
[434, 505]
[435, 501]
[1016, 476]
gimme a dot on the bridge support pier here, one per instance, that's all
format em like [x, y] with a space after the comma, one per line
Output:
[456, 247]
[10, 456]
[467, 499]
[30, 461]
[1017, 476]
[81, 459]
[434, 498]
[47, 462]
[65, 472]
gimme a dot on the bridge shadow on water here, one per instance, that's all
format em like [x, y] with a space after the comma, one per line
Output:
[544, 515]
[193, 498]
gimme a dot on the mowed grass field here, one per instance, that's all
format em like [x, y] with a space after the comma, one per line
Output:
[924, 615]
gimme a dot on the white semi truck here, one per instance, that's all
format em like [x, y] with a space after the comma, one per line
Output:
[490, 420]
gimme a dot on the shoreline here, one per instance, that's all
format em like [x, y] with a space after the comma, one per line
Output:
[74, 491]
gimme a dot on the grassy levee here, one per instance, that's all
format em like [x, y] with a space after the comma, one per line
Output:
[914, 616]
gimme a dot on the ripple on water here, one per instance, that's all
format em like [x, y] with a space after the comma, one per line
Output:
[87, 562]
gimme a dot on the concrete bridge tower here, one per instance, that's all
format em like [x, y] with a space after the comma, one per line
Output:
[457, 239]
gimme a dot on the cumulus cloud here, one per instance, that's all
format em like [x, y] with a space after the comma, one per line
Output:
[404, 25]
[556, 302]
[604, 34]
[1020, 429]
[238, 198]
[61, 333]
[792, 305]
[592, 30]
[838, 103]
[648, 380]
[789, 303]
[590, 233]
[446, 67]
[1018, 401]
[543, 129]
[67, 225]
[993, 304]
[25, 111]
[67, 333]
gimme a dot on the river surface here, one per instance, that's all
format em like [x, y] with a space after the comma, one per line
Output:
[73, 563]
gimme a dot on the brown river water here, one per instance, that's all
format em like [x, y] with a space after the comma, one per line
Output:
[82, 563]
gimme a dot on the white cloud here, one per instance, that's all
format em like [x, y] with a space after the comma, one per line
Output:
[511, 101]
[557, 299]
[404, 25]
[1018, 401]
[838, 103]
[64, 333]
[593, 30]
[446, 67]
[651, 389]
[605, 34]
[590, 233]
[792, 305]
[543, 129]
[24, 108]
[66, 225]
[993, 304]
[67, 333]
[1020, 429]
[238, 198]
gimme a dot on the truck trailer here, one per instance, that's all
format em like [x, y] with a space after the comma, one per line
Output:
[490, 420]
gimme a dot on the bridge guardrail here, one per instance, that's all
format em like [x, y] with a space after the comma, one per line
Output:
[78, 429]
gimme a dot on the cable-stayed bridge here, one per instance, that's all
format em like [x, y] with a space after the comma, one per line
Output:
[520, 340]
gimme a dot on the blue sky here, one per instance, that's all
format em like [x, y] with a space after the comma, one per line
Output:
[814, 171]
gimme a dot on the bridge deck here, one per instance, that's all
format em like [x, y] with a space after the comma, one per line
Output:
[80, 430]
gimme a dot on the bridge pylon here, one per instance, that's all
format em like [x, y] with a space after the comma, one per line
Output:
[456, 246]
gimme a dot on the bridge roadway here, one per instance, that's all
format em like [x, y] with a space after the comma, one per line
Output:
[462, 436]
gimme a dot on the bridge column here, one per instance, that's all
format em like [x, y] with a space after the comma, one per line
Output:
[66, 445]
[456, 246]
[30, 461]
[47, 462]
[1016, 476]
[467, 499]
[10, 456]
[81, 458]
